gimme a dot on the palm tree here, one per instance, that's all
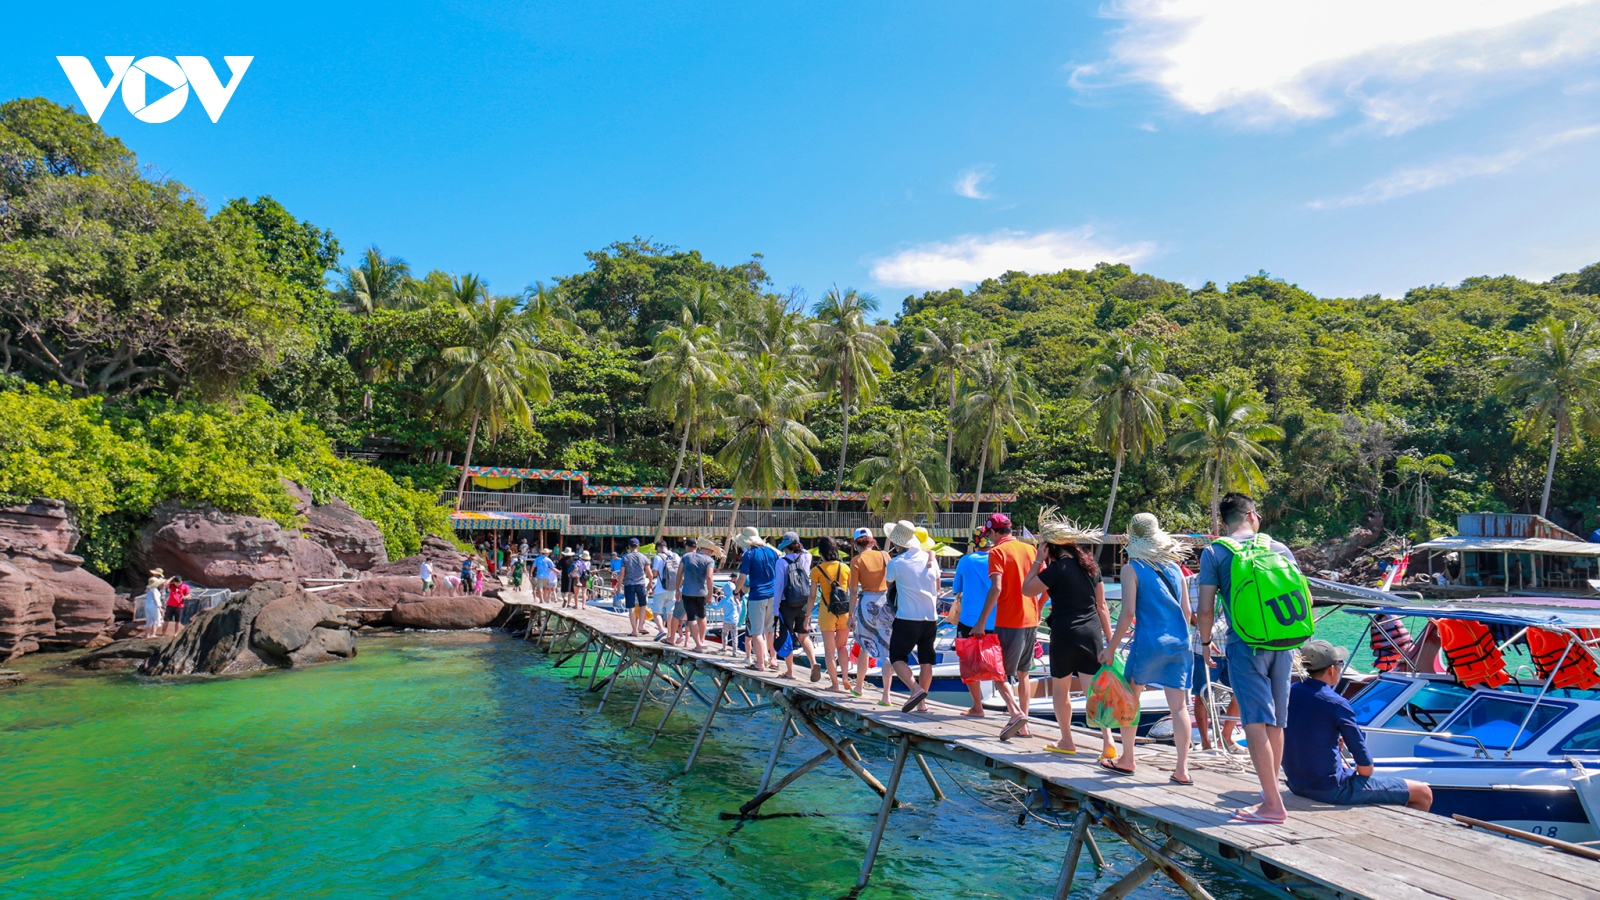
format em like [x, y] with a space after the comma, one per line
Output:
[494, 375]
[851, 355]
[768, 444]
[997, 403]
[379, 282]
[1556, 381]
[549, 310]
[777, 330]
[1223, 446]
[688, 366]
[948, 350]
[1127, 391]
[904, 478]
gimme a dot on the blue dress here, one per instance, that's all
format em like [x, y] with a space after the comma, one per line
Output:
[1160, 656]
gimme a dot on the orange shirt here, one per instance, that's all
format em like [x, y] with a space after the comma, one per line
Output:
[1009, 562]
[867, 570]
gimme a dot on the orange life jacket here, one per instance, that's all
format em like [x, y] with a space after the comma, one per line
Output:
[1474, 656]
[1577, 670]
[1391, 643]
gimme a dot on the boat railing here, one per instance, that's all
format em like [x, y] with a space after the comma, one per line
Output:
[1481, 753]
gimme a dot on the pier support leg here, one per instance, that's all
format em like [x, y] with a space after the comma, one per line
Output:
[1069, 866]
[1136, 876]
[584, 662]
[777, 747]
[754, 806]
[611, 680]
[842, 751]
[644, 692]
[928, 774]
[1158, 858]
[599, 660]
[563, 660]
[883, 811]
[682, 686]
[722, 691]
[1094, 850]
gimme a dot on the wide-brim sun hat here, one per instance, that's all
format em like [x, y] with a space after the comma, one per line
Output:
[708, 546]
[584, 555]
[902, 534]
[1146, 541]
[157, 573]
[1055, 528]
[925, 539]
[749, 536]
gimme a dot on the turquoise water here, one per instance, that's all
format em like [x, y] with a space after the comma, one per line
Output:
[463, 766]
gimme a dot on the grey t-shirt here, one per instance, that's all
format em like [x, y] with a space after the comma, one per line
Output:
[697, 570]
[1216, 570]
[635, 568]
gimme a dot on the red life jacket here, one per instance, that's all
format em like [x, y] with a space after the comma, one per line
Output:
[1474, 656]
[1577, 670]
[1391, 643]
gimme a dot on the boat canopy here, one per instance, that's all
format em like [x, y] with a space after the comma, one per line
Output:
[1500, 611]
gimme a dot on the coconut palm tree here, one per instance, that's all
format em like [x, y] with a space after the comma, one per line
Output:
[494, 375]
[904, 478]
[948, 350]
[997, 404]
[378, 282]
[1223, 446]
[1556, 382]
[768, 444]
[852, 355]
[688, 367]
[549, 310]
[1127, 392]
[776, 329]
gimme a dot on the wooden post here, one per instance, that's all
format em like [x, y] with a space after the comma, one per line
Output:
[683, 686]
[928, 774]
[1069, 867]
[883, 811]
[722, 690]
[611, 680]
[599, 660]
[644, 692]
[777, 747]
[1158, 857]
[1136, 876]
[842, 751]
[754, 806]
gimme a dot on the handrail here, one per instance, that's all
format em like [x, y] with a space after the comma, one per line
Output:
[1481, 753]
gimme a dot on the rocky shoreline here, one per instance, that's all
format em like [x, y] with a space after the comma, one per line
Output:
[285, 609]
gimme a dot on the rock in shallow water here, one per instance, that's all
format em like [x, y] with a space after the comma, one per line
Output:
[416, 611]
[121, 654]
[272, 625]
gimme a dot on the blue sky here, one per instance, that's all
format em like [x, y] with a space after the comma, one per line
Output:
[892, 147]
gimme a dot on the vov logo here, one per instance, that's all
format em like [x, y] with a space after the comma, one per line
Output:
[134, 79]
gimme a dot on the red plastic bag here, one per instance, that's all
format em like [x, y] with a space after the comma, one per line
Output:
[981, 659]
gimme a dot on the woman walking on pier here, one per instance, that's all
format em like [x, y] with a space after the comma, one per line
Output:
[869, 609]
[1154, 592]
[1079, 618]
[831, 579]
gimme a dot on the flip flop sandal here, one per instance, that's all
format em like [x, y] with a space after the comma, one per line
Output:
[816, 672]
[1012, 727]
[1061, 750]
[1240, 818]
[1114, 769]
[911, 704]
[1181, 782]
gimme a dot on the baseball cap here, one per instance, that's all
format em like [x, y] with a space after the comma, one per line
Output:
[999, 521]
[863, 533]
[691, 542]
[633, 542]
[1320, 654]
[789, 537]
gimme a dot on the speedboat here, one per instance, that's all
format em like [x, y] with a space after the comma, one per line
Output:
[1496, 740]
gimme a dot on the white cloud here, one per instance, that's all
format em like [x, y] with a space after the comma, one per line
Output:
[1402, 62]
[968, 183]
[971, 258]
[1450, 171]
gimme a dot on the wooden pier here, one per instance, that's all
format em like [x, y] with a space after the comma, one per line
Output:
[1321, 851]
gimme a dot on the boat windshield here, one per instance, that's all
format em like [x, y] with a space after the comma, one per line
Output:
[1375, 699]
[1495, 718]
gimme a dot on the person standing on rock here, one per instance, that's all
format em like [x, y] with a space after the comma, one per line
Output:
[427, 575]
[177, 593]
[466, 574]
[152, 602]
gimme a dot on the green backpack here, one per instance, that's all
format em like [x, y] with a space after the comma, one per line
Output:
[1269, 603]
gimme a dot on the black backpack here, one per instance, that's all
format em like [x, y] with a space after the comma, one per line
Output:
[838, 599]
[796, 584]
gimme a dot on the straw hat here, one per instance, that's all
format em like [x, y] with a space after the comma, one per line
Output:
[907, 535]
[1055, 528]
[749, 536]
[708, 546]
[1148, 542]
[157, 573]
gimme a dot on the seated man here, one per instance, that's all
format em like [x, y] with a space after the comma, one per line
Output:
[1318, 718]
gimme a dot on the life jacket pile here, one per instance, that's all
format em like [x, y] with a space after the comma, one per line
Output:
[1577, 670]
[1391, 643]
[1474, 656]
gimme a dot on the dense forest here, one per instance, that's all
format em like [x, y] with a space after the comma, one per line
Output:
[152, 348]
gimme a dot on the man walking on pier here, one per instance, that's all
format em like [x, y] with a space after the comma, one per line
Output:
[694, 587]
[915, 575]
[636, 577]
[1016, 618]
[757, 570]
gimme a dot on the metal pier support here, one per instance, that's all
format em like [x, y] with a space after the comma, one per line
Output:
[682, 686]
[1156, 857]
[777, 747]
[611, 680]
[884, 810]
[722, 691]
[1069, 867]
[927, 773]
[644, 692]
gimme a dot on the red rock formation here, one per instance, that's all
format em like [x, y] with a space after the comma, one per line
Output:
[215, 549]
[46, 599]
[467, 611]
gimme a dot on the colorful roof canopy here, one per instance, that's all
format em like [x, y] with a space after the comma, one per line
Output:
[464, 520]
[689, 493]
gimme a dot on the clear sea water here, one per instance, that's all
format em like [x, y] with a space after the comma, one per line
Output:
[455, 766]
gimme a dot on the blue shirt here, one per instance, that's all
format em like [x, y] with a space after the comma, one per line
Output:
[544, 568]
[1216, 570]
[1318, 717]
[972, 583]
[759, 568]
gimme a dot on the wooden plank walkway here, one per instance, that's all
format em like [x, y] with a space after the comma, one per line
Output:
[1321, 851]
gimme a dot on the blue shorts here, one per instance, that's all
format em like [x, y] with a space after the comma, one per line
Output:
[1260, 682]
[635, 595]
[1218, 674]
[1362, 790]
